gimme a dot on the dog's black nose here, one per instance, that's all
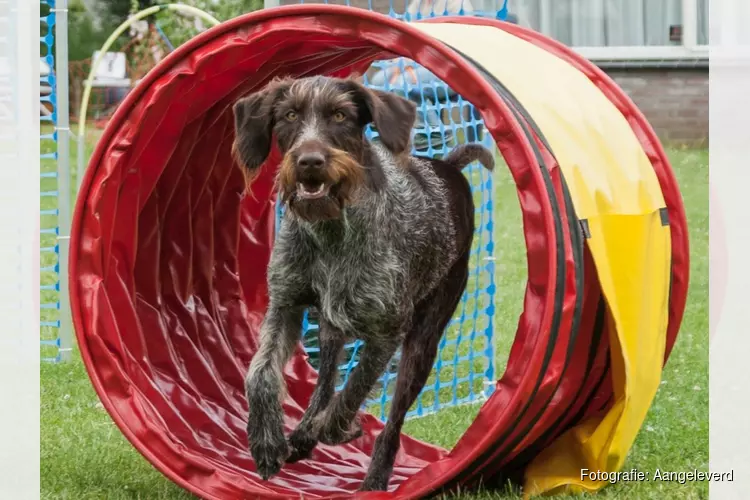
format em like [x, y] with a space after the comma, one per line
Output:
[311, 160]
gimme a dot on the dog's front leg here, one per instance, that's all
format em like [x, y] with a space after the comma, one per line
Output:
[337, 424]
[418, 354]
[303, 439]
[417, 357]
[265, 389]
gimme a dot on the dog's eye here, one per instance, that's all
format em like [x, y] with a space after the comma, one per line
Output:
[291, 116]
[339, 116]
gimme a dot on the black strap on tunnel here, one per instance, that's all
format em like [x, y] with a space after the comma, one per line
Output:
[664, 215]
[555, 429]
[525, 121]
[585, 229]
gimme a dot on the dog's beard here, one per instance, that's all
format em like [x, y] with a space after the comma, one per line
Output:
[342, 177]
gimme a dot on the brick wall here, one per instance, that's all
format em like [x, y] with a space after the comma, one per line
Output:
[675, 101]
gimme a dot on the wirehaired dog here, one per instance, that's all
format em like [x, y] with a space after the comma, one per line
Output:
[375, 239]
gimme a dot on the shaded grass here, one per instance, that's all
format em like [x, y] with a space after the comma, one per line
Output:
[84, 456]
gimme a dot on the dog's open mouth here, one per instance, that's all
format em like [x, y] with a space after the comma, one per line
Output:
[312, 190]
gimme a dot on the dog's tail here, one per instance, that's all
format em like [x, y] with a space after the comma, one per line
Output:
[466, 153]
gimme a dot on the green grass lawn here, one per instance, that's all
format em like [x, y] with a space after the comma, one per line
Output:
[84, 456]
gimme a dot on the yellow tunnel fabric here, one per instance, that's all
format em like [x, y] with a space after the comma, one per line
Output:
[614, 187]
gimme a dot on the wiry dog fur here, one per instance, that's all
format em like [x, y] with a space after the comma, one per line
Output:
[376, 240]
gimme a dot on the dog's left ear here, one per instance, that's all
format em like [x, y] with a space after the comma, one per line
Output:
[392, 115]
[252, 131]
[253, 126]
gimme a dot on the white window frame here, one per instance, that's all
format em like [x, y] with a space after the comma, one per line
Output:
[688, 50]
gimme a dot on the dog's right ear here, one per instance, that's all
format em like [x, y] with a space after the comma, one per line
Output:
[253, 128]
[392, 115]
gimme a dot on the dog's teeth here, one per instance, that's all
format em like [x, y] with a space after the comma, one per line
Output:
[304, 190]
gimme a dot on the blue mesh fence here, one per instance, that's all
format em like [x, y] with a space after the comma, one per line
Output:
[464, 368]
[49, 227]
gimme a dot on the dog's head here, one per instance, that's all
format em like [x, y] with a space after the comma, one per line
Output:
[319, 125]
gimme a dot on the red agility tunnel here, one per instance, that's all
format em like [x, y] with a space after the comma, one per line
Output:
[169, 255]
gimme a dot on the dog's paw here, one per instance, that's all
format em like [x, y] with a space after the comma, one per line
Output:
[332, 431]
[269, 454]
[301, 444]
[375, 482]
[269, 459]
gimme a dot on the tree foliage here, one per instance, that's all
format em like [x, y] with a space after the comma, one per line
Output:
[224, 10]
[114, 12]
[85, 36]
[90, 28]
[180, 29]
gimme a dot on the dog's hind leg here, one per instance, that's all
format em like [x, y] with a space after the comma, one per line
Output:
[265, 388]
[338, 423]
[418, 354]
[303, 439]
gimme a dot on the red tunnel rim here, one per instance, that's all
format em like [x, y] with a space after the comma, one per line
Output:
[491, 102]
